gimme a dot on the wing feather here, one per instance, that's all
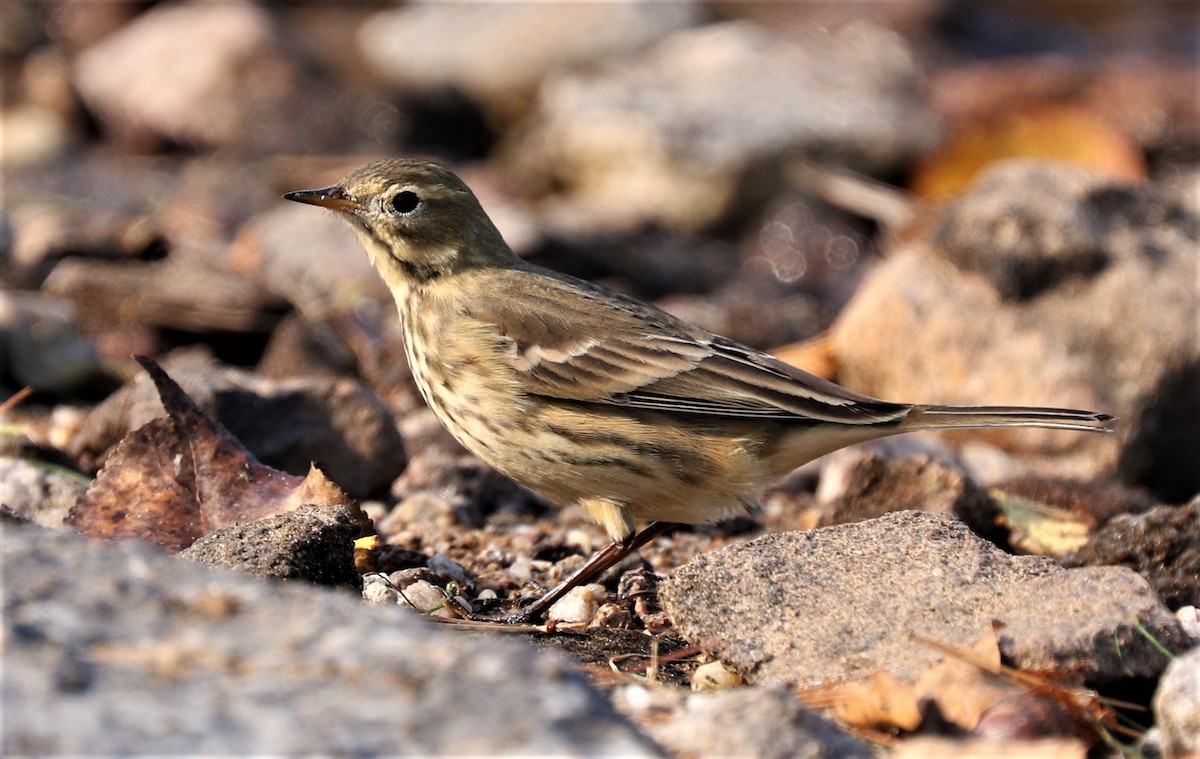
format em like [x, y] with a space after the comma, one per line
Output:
[584, 344]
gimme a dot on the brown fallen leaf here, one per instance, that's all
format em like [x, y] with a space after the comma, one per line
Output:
[1052, 132]
[974, 690]
[879, 701]
[966, 685]
[179, 477]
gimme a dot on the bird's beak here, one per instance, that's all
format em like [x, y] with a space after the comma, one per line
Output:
[333, 198]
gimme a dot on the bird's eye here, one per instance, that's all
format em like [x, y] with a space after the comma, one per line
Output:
[406, 201]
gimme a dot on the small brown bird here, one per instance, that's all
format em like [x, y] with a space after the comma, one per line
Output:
[592, 397]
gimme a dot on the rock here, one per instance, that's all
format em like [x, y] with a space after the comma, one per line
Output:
[335, 422]
[714, 676]
[879, 485]
[697, 125]
[836, 470]
[175, 293]
[377, 591]
[579, 606]
[39, 492]
[1034, 288]
[1189, 618]
[47, 232]
[1162, 545]
[33, 135]
[761, 722]
[299, 348]
[425, 598]
[1177, 706]
[137, 80]
[808, 608]
[448, 487]
[237, 86]
[497, 54]
[312, 543]
[42, 345]
[188, 653]
[299, 254]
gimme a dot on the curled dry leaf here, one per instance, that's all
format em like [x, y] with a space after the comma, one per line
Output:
[179, 477]
[878, 701]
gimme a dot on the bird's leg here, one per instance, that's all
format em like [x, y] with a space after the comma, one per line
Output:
[596, 565]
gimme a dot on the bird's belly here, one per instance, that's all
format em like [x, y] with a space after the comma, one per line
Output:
[651, 465]
[646, 464]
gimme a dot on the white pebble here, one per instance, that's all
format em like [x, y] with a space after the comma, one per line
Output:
[379, 592]
[714, 676]
[578, 606]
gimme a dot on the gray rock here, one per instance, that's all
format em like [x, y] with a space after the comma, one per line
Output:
[808, 608]
[497, 53]
[41, 344]
[45, 231]
[215, 75]
[289, 424]
[1033, 288]
[1162, 545]
[38, 491]
[299, 254]
[673, 134]
[137, 78]
[153, 655]
[1177, 706]
[760, 722]
[313, 543]
[180, 292]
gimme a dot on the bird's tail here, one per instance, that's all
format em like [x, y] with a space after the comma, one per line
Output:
[942, 417]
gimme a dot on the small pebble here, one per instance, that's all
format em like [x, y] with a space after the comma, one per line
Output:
[612, 615]
[1189, 620]
[521, 569]
[579, 606]
[448, 569]
[715, 676]
[377, 591]
[427, 599]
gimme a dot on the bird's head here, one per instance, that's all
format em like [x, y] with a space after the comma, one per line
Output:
[417, 220]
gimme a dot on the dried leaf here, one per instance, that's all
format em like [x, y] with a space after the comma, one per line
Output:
[1040, 529]
[973, 690]
[877, 701]
[967, 685]
[1051, 132]
[146, 490]
[178, 478]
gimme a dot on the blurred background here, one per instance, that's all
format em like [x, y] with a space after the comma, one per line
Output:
[925, 199]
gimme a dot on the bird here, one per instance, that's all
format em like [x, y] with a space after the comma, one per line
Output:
[594, 398]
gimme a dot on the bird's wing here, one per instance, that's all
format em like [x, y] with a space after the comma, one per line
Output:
[574, 341]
